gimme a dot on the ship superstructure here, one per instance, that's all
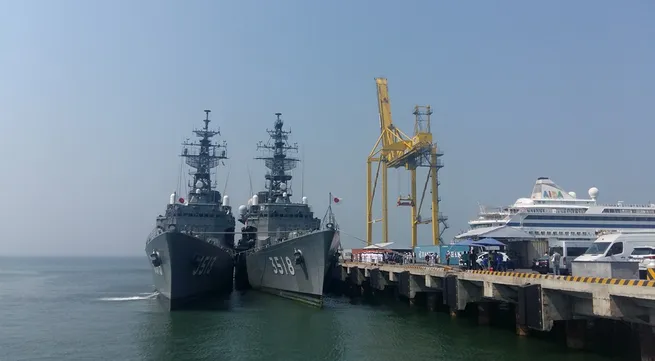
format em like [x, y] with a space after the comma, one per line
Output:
[271, 211]
[551, 212]
[289, 250]
[191, 248]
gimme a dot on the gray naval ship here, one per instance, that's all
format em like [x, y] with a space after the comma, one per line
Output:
[191, 248]
[288, 252]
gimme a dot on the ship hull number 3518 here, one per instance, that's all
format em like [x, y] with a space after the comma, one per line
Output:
[282, 265]
[205, 265]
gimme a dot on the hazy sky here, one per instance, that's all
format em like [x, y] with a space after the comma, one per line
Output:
[95, 97]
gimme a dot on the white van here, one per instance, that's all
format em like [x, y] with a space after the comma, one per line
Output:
[569, 250]
[618, 246]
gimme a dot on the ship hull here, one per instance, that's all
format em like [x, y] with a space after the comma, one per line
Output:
[277, 270]
[186, 269]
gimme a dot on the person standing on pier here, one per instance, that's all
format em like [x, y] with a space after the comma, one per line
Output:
[465, 260]
[556, 258]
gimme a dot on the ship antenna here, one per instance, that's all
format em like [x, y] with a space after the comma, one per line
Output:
[278, 160]
[329, 216]
[207, 111]
[249, 180]
[302, 175]
[227, 178]
[203, 155]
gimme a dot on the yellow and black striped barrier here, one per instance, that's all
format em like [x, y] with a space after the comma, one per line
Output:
[400, 265]
[650, 274]
[598, 280]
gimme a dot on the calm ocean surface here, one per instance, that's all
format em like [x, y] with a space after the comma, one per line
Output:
[102, 309]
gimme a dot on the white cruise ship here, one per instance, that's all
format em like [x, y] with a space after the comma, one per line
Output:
[551, 212]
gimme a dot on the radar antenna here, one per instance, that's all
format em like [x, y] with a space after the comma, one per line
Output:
[277, 160]
[203, 156]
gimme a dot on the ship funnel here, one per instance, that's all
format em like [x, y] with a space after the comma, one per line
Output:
[255, 200]
[545, 188]
[172, 199]
[226, 201]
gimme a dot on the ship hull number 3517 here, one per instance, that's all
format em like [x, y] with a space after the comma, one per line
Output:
[282, 266]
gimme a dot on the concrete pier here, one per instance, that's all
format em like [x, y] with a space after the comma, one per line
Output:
[540, 301]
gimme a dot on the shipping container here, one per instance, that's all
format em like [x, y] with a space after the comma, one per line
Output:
[421, 251]
[523, 253]
[455, 254]
[537, 249]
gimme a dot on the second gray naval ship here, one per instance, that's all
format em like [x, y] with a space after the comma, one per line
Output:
[191, 248]
[289, 252]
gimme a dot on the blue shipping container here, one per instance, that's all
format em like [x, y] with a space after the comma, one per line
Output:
[421, 251]
[455, 253]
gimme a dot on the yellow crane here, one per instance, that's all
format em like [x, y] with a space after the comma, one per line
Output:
[394, 149]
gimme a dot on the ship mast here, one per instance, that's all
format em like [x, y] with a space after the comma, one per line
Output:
[278, 162]
[203, 156]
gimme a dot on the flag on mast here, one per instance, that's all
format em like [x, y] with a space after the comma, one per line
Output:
[336, 200]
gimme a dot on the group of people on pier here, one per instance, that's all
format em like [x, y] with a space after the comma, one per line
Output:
[490, 261]
[471, 260]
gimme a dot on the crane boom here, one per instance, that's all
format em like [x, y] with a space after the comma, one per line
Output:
[394, 149]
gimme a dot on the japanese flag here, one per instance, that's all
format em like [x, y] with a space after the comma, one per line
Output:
[336, 200]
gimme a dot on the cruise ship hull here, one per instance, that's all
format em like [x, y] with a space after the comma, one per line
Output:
[279, 270]
[185, 268]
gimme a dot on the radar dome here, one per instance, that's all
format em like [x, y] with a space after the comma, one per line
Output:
[283, 186]
[284, 195]
[199, 184]
[250, 202]
[593, 192]
[304, 200]
[226, 201]
[572, 194]
[242, 209]
[255, 200]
